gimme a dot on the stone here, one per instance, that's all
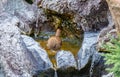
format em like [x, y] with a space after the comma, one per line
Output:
[26, 13]
[65, 59]
[12, 51]
[89, 59]
[105, 36]
[90, 15]
[85, 53]
[38, 55]
[20, 57]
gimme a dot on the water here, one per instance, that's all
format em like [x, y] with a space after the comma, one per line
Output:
[55, 75]
[65, 46]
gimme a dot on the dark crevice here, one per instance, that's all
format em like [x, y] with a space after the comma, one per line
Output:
[29, 1]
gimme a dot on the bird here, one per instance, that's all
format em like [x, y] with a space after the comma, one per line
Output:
[54, 43]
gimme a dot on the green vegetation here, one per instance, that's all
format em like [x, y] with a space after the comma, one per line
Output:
[113, 57]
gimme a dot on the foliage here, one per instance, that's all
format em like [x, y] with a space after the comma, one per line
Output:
[113, 57]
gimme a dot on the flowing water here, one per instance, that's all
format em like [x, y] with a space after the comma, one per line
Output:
[55, 75]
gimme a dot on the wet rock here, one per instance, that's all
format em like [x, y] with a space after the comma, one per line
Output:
[97, 67]
[65, 59]
[38, 55]
[82, 7]
[106, 33]
[85, 53]
[90, 15]
[89, 59]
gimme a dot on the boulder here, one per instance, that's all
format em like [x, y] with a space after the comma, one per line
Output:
[90, 15]
[86, 7]
[105, 36]
[89, 58]
[86, 52]
[114, 6]
[65, 59]
[38, 55]
[13, 54]
[18, 59]
[106, 33]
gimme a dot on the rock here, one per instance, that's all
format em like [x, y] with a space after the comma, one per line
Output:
[65, 59]
[13, 55]
[18, 58]
[89, 59]
[90, 15]
[26, 13]
[85, 53]
[67, 6]
[97, 67]
[106, 33]
[38, 55]
[105, 36]
[113, 4]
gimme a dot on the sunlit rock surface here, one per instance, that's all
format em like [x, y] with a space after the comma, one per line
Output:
[38, 55]
[114, 6]
[66, 6]
[85, 54]
[28, 14]
[18, 58]
[15, 61]
[65, 59]
[88, 56]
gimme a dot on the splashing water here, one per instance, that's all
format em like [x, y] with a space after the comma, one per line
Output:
[55, 74]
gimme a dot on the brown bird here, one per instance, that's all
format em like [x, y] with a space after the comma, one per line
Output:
[54, 43]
